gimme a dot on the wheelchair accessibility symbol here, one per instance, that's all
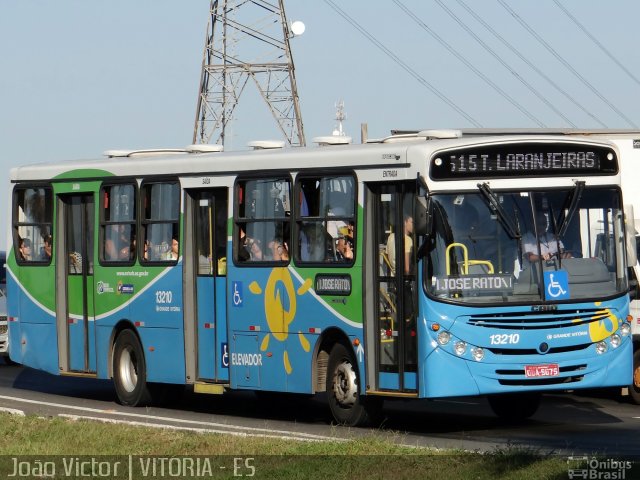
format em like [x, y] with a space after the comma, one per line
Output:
[556, 285]
[237, 294]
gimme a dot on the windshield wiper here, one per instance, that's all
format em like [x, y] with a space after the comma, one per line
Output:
[571, 205]
[512, 230]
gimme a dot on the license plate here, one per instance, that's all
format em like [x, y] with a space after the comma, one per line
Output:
[550, 370]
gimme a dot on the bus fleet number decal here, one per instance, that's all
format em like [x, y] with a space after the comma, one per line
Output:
[164, 300]
[505, 339]
[164, 296]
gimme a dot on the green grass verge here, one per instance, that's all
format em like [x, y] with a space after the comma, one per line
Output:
[370, 457]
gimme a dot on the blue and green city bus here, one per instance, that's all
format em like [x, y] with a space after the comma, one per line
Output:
[408, 267]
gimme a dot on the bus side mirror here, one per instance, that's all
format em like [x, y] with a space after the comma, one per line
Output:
[630, 227]
[633, 284]
[422, 222]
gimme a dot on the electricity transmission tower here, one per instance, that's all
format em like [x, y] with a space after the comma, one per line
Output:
[247, 43]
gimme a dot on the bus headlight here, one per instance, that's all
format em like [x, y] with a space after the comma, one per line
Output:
[478, 353]
[601, 347]
[460, 347]
[615, 340]
[444, 337]
[625, 329]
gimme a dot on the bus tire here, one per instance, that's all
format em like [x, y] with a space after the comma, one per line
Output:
[514, 407]
[634, 388]
[130, 371]
[347, 406]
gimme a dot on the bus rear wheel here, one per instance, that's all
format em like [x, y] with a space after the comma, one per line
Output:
[634, 388]
[347, 406]
[130, 371]
[514, 407]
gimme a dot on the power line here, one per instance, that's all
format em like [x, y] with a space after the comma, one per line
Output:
[495, 55]
[595, 40]
[469, 65]
[401, 63]
[564, 62]
[531, 65]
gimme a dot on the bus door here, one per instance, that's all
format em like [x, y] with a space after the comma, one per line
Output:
[77, 311]
[205, 276]
[395, 286]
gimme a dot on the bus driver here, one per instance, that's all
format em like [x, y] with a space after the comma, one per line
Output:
[549, 243]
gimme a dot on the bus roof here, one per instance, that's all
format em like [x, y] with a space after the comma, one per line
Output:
[395, 151]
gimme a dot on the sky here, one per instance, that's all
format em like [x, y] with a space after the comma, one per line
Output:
[78, 77]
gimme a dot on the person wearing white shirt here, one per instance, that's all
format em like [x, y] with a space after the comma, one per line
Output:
[549, 244]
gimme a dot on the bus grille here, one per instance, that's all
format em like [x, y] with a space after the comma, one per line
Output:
[538, 320]
[533, 351]
[3, 324]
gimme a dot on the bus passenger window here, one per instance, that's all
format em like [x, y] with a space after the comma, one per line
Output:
[325, 219]
[32, 224]
[160, 221]
[262, 226]
[118, 223]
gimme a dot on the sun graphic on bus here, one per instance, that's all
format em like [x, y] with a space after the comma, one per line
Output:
[605, 323]
[280, 304]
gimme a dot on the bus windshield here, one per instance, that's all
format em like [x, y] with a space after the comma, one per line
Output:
[489, 247]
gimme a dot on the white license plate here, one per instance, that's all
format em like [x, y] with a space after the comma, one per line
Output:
[550, 370]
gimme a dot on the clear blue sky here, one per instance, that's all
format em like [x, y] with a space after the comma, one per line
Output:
[83, 76]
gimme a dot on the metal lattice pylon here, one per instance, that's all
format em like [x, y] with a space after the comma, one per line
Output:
[247, 40]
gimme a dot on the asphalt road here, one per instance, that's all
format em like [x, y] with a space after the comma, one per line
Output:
[566, 424]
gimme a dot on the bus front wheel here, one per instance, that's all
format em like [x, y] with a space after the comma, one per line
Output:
[129, 371]
[634, 388]
[514, 407]
[348, 407]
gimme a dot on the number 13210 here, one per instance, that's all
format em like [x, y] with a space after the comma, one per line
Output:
[505, 339]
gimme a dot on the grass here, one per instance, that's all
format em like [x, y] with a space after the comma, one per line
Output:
[272, 458]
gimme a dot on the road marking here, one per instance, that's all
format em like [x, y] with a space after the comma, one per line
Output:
[248, 430]
[12, 411]
[300, 437]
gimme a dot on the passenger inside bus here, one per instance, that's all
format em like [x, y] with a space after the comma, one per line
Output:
[390, 249]
[173, 253]
[45, 254]
[117, 246]
[255, 249]
[75, 262]
[279, 250]
[344, 250]
[548, 242]
[24, 249]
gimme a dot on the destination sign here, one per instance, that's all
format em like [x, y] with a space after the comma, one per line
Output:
[473, 284]
[528, 159]
[333, 284]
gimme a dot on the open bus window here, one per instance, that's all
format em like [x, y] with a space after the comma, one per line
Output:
[262, 227]
[118, 223]
[32, 224]
[326, 219]
[160, 222]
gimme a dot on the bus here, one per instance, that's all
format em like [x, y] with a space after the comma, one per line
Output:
[403, 268]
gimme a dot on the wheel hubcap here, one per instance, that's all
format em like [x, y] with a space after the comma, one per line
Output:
[128, 370]
[345, 387]
[636, 377]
